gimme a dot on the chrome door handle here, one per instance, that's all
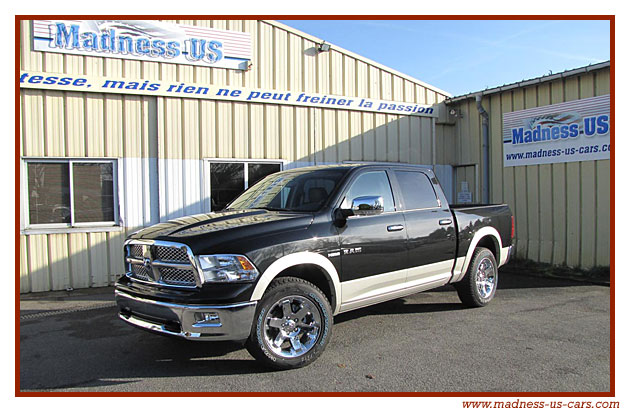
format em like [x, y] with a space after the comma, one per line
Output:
[444, 222]
[395, 228]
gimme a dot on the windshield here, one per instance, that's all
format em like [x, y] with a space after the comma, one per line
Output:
[296, 191]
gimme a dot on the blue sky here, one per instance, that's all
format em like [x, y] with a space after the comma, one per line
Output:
[468, 56]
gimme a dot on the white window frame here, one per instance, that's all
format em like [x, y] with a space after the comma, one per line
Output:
[72, 226]
[207, 189]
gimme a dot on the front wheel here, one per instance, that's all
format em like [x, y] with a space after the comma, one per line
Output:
[478, 286]
[292, 325]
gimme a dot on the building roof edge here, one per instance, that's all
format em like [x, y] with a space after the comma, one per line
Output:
[530, 82]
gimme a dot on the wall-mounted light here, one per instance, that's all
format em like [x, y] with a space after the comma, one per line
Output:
[324, 47]
[455, 113]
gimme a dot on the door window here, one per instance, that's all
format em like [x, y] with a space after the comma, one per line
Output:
[371, 184]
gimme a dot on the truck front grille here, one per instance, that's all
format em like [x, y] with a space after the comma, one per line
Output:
[161, 263]
[136, 250]
[174, 276]
[141, 272]
[170, 254]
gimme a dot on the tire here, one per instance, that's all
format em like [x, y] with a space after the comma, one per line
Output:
[292, 324]
[479, 284]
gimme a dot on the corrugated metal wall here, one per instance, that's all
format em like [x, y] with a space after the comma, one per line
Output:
[169, 137]
[71, 125]
[562, 210]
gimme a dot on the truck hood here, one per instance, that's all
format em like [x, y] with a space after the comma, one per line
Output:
[225, 226]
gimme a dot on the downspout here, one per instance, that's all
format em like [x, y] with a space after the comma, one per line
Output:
[485, 150]
[433, 143]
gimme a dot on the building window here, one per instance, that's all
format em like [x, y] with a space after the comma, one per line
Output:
[228, 179]
[68, 193]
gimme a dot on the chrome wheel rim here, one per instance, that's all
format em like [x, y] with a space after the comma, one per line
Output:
[292, 326]
[485, 278]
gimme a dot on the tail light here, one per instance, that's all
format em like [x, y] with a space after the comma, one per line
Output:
[513, 231]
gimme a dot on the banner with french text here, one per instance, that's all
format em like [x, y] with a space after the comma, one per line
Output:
[573, 131]
[81, 83]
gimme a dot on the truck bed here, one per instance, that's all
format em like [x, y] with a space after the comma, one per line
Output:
[470, 218]
[473, 205]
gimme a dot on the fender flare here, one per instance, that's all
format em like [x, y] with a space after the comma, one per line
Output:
[295, 259]
[481, 233]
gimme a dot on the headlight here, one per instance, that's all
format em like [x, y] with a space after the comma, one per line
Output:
[226, 268]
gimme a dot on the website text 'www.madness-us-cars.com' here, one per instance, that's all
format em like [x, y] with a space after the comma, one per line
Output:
[579, 404]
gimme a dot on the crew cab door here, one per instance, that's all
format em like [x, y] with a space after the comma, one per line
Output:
[373, 248]
[430, 226]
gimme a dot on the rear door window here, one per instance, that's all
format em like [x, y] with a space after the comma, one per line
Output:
[417, 190]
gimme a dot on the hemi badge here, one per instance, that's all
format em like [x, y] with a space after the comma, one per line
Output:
[334, 254]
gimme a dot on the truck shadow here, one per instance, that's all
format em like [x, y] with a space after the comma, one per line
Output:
[511, 279]
[507, 280]
[94, 349]
[397, 306]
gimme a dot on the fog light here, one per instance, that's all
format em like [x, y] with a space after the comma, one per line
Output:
[206, 319]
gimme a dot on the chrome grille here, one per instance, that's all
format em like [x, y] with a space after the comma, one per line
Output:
[174, 276]
[141, 272]
[170, 254]
[167, 262]
[136, 250]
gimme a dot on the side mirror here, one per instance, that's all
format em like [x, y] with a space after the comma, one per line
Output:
[341, 215]
[367, 205]
[361, 206]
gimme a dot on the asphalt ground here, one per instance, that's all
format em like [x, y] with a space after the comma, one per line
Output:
[538, 334]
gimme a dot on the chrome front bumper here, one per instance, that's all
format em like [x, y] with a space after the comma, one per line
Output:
[193, 322]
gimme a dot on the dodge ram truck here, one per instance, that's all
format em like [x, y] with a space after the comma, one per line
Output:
[303, 245]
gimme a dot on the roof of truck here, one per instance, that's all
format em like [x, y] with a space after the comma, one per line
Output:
[359, 165]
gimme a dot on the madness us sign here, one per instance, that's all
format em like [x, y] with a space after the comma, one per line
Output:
[565, 132]
[144, 40]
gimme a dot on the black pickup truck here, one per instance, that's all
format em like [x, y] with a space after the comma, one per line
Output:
[302, 245]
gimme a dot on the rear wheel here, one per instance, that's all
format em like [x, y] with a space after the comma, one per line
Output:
[478, 286]
[292, 325]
